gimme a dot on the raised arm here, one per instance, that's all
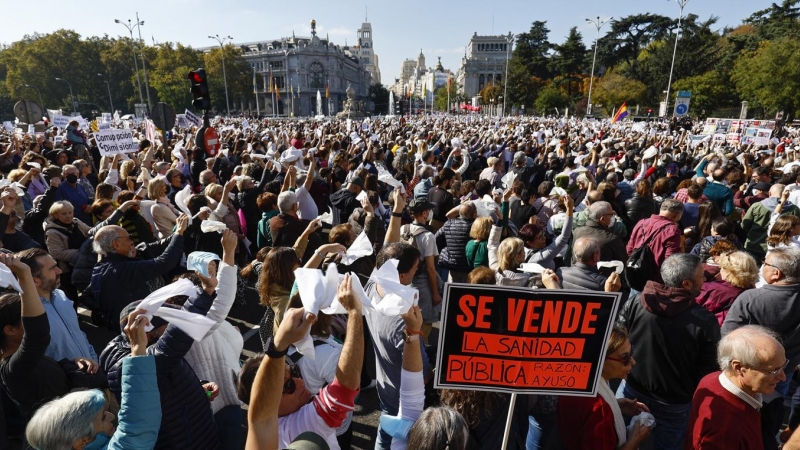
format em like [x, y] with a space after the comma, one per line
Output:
[262, 415]
[393, 231]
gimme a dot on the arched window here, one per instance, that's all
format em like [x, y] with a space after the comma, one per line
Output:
[316, 74]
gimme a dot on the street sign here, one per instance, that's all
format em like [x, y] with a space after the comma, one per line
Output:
[163, 116]
[682, 103]
[211, 141]
[28, 112]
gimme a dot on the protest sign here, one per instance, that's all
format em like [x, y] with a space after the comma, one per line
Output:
[104, 126]
[112, 141]
[518, 340]
[58, 139]
[193, 119]
[181, 121]
[106, 118]
[60, 122]
[762, 137]
[9, 127]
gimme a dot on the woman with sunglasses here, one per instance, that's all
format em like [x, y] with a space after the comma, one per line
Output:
[596, 422]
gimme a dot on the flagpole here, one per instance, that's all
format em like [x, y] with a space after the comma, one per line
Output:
[255, 91]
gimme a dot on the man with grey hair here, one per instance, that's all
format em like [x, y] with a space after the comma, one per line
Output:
[726, 406]
[660, 232]
[775, 306]
[676, 346]
[119, 278]
[583, 273]
[286, 228]
[598, 227]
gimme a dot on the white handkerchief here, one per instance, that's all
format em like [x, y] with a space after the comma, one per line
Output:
[317, 291]
[531, 268]
[617, 265]
[395, 298]
[386, 177]
[325, 217]
[7, 279]
[361, 246]
[181, 198]
[195, 325]
[207, 226]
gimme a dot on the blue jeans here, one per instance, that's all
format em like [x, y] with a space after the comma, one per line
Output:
[540, 431]
[229, 426]
[671, 420]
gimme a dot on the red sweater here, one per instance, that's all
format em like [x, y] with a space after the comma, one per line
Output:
[666, 238]
[721, 420]
[586, 422]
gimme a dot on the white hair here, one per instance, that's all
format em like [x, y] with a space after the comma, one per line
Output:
[286, 200]
[742, 344]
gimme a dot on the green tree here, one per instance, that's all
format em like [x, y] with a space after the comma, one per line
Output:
[628, 36]
[168, 73]
[569, 60]
[532, 49]
[710, 90]
[523, 87]
[614, 88]
[238, 72]
[440, 96]
[379, 96]
[770, 76]
[550, 98]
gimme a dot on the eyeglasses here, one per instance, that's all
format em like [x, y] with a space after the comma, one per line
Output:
[773, 373]
[289, 387]
[764, 262]
[128, 237]
[625, 360]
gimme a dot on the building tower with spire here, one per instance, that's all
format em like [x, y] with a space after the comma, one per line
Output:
[366, 52]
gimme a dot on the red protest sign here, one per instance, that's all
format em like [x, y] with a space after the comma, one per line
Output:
[509, 339]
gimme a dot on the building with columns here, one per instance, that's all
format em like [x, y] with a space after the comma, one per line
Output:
[303, 66]
[484, 62]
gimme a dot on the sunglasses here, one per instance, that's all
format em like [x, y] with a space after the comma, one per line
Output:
[289, 387]
[626, 360]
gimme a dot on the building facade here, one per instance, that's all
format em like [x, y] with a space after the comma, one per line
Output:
[366, 52]
[301, 67]
[484, 62]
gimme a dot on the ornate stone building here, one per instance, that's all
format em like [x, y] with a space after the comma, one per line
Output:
[301, 67]
[484, 61]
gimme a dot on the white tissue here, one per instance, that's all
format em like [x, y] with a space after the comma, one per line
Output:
[181, 198]
[195, 325]
[617, 265]
[207, 226]
[395, 298]
[646, 420]
[361, 246]
[7, 279]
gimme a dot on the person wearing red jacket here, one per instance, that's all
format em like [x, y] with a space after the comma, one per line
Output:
[660, 232]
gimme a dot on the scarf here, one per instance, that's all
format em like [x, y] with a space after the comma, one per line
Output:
[604, 390]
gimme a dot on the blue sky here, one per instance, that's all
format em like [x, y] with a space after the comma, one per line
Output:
[400, 28]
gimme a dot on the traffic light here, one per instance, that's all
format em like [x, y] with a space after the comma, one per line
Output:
[649, 112]
[200, 96]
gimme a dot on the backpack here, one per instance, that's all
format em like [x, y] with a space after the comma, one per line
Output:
[641, 265]
[410, 237]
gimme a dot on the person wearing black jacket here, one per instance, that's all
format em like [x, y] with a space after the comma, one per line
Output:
[35, 217]
[676, 345]
[119, 278]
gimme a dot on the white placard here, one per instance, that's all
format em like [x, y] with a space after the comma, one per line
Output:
[9, 127]
[194, 119]
[60, 122]
[112, 141]
[181, 121]
[106, 118]
[103, 126]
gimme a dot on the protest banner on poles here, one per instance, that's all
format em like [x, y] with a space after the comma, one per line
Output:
[517, 340]
[114, 141]
[193, 119]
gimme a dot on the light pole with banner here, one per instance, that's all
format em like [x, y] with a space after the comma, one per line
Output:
[129, 26]
[110, 102]
[597, 24]
[682, 4]
[221, 41]
[72, 97]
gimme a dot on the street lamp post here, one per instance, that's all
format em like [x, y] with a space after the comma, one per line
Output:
[682, 4]
[221, 41]
[510, 40]
[38, 92]
[110, 102]
[133, 50]
[72, 97]
[597, 24]
[139, 24]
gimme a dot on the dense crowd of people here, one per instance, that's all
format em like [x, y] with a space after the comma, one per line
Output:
[345, 232]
